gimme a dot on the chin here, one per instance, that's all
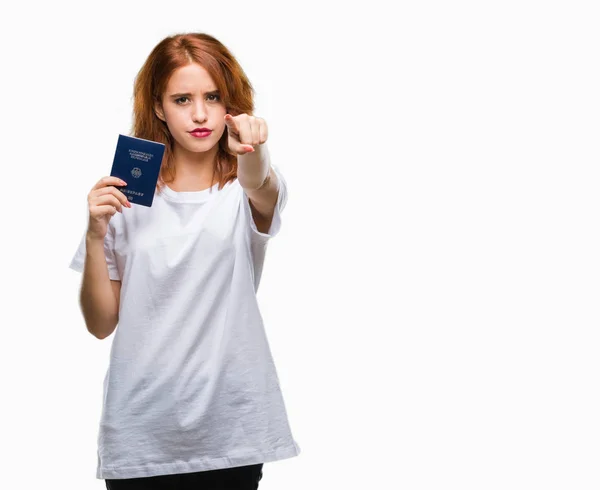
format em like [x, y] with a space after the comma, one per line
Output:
[202, 148]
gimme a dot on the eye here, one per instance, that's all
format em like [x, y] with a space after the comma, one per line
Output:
[216, 98]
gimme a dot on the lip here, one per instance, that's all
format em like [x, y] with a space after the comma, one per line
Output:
[201, 130]
[200, 134]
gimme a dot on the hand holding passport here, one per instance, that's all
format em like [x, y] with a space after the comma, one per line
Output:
[104, 200]
[137, 161]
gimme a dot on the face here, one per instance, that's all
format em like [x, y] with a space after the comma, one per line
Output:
[191, 101]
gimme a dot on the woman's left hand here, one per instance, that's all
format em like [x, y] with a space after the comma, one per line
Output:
[244, 133]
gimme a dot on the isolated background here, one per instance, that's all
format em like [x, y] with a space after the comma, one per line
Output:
[432, 299]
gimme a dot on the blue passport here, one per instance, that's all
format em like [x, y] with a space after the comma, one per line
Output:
[137, 161]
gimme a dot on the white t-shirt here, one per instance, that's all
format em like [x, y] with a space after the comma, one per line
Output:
[191, 384]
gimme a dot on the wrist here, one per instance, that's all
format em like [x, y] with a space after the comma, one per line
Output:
[254, 168]
[91, 239]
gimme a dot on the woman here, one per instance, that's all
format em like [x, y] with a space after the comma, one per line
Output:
[191, 394]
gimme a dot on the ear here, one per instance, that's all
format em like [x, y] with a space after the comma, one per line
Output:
[158, 110]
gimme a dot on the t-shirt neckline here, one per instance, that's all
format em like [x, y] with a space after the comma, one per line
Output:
[188, 196]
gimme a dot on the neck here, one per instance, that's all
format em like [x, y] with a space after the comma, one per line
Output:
[193, 171]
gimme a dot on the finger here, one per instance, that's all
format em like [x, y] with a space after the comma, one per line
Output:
[108, 180]
[264, 131]
[245, 131]
[113, 190]
[237, 148]
[236, 126]
[231, 124]
[108, 199]
[245, 126]
[255, 130]
[122, 197]
[240, 149]
[103, 210]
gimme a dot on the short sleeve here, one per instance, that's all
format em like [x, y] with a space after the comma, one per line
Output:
[279, 206]
[78, 260]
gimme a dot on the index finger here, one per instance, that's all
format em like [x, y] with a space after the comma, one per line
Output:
[109, 180]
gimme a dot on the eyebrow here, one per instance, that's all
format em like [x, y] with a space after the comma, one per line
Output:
[187, 94]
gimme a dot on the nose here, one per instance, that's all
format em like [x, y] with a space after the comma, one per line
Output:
[200, 112]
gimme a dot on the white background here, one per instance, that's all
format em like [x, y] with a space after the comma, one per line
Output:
[432, 299]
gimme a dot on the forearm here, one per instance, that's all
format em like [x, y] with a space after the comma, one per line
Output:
[253, 167]
[98, 303]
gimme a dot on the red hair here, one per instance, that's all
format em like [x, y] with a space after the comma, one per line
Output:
[168, 55]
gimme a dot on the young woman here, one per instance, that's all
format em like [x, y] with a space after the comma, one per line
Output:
[191, 394]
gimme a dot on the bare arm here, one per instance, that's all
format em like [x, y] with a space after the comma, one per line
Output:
[99, 296]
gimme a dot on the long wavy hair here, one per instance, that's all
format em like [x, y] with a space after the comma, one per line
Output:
[151, 81]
